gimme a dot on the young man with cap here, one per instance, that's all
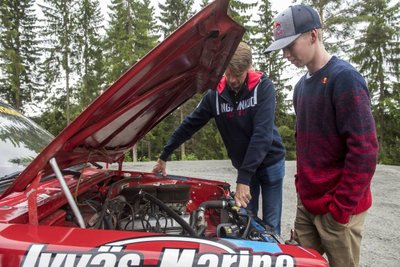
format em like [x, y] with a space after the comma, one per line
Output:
[335, 139]
[243, 107]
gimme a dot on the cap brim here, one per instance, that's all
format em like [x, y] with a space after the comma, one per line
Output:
[281, 43]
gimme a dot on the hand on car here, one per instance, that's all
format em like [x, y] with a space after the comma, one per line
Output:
[160, 167]
[242, 195]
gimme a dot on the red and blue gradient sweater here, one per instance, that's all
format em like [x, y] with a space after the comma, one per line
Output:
[335, 141]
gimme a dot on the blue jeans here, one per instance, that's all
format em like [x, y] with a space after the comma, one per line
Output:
[270, 181]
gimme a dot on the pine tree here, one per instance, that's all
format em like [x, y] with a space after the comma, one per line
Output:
[19, 53]
[91, 68]
[204, 3]
[330, 12]
[173, 14]
[241, 12]
[368, 34]
[60, 34]
[130, 35]
[206, 143]
[274, 65]
[377, 51]
[145, 26]
[119, 47]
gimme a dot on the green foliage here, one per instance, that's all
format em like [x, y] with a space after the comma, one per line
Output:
[61, 56]
[52, 120]
[376, 51]
[368, 34]
[204, 3]
[143, 158]
[190, 156]
[390, 154]
[205, 144]
[128, 156]
[274, 65]
[129, 36]
[241, 13]
[287, 134]
[79, 61]
[173, 14]
[215, 148]
[330, 11]
[89, 43]
[19, 49]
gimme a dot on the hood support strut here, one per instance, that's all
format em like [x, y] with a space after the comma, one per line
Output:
[67, 192]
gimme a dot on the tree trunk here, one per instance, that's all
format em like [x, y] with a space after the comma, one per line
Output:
[149, 150]
[381, 116]
[183, 156]
[134, 153]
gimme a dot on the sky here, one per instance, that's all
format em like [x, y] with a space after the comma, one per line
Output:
[277, 5]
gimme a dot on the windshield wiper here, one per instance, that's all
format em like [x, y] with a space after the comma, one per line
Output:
[75, 171]
[10, 176]
[6, 180]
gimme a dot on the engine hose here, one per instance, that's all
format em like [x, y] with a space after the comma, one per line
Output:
[246, 231]
[213, 204]
[106, 201]
[170, 212]
[107, 223]
[201, 230]
[193, 219]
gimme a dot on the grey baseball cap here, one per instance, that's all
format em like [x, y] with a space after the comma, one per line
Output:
[291, 23]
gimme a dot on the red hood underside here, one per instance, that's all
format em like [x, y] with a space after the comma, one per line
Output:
[190, 60]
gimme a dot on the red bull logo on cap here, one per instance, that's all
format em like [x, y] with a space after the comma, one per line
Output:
[278, 31]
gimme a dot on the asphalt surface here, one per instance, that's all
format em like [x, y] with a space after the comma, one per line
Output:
[381, 241]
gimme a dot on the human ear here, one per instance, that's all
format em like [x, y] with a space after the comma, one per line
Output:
[314, 35]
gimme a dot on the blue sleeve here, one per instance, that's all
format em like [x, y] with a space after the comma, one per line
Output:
[356, 127]
[191, 124]
[263, 116]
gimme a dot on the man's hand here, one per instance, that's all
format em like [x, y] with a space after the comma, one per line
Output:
[160, 167]
[242, 195]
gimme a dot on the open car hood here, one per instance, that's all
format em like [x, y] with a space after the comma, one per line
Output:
[190, 60]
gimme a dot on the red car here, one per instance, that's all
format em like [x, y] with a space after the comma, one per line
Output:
[60, 207]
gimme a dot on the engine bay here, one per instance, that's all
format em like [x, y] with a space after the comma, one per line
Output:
[144, 202]
[171, 205]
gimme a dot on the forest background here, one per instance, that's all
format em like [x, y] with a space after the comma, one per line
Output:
[56, 56]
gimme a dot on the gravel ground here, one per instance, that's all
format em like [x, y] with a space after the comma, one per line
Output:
[381, 242]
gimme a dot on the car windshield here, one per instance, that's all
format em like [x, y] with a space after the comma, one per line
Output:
[21, 140]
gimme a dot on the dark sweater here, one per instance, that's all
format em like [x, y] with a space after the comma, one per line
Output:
[336, 141]
[246, 125]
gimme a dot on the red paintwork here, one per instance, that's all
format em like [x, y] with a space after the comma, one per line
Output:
[78, 240]
[62, 236]
[190, 60]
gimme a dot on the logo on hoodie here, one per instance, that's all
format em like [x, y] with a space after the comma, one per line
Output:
[242, 105]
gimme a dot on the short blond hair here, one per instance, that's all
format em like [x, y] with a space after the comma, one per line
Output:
[242, 60]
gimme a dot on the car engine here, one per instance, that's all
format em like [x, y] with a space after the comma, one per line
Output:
[148, 208]
[163, 208]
